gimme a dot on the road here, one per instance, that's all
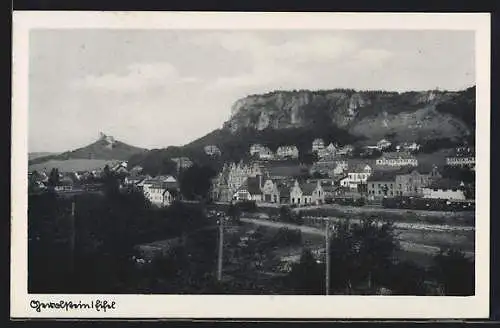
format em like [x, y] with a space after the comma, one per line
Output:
[405, 245]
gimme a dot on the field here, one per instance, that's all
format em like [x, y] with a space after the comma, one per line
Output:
[71, 165]
[463, 218]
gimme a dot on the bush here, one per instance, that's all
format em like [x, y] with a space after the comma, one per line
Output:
[247, 206]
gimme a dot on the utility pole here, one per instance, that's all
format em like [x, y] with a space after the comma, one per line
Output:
[72, 235]
[327, 252]
[221, 245]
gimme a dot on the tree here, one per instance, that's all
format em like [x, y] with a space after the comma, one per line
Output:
[234, 212]
[454, 272]
[286, 214]
[376, 244]
[54, 179]
[308, 158]
[110, 180]
[306, 276]
[361, 253]
[196, 182]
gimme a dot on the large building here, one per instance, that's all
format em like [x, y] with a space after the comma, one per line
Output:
[406, 181]
[445, 189]
[397, 159]
[232, 177]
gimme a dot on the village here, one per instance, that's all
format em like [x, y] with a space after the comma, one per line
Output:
[280, 178]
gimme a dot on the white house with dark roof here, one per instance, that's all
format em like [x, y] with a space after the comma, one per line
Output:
[251, 189]
[160, 194]
[306, 193]
[445, 189]
[271, 192]
[212, 150]
[356, 174]
[383, 144]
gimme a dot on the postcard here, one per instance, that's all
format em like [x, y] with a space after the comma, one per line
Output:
[250, 165]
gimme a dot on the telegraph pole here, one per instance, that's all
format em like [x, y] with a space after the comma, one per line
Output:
[221, 245]
[72, 235]
[327, 253]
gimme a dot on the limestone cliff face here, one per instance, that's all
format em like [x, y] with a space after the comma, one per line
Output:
[368, 113]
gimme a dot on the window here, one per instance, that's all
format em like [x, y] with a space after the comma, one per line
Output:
[373, 185]
[298, 200]
[392, 193]
[379, 192]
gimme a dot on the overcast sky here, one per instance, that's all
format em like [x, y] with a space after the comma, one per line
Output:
[158, 88]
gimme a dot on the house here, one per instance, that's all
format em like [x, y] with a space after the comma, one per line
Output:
[409, 147]
[251, 189]
[307, 193]
[255, 149]
[468, 161]
[65, 184]
[357, 174]
[397, 159]
[329, 152]
[166, 182]
[340, 168]
[266, 154]
[345, 151]
[182, 162]
[160, 194]
[445, 189]
[212, 150]
[133, 180]
[271, 192]
[318, 145]
[287, 152]
[383, 144]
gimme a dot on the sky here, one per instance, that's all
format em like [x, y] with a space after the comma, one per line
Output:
[157, 88]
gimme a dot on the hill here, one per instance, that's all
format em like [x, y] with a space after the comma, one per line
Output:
[71, 165]
[341, 115]
[105, 148]
[370, 115]
[35, 155]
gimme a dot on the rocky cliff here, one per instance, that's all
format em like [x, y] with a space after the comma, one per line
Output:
[370, 114]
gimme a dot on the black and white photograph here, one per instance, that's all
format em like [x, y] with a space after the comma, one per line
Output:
[251, 161]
